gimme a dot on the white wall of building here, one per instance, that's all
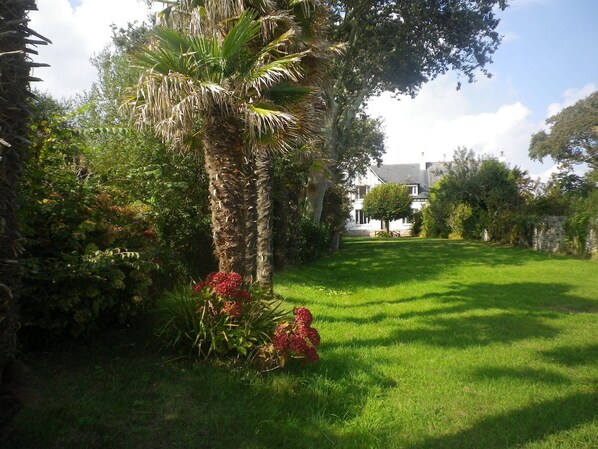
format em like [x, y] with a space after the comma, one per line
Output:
[360, 225]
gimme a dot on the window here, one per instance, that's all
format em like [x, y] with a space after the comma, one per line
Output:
[413, 190]
[361, 191]
[360, 217]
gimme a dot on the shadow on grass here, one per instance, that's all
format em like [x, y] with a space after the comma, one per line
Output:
[474, 315]
[384, 263]
[573, 355]
[521, 426]
[120, 394]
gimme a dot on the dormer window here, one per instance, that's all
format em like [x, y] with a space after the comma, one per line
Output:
[413, 189]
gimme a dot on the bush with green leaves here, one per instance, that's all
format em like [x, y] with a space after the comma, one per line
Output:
[88, 261]
[221, 317]
[311, 241]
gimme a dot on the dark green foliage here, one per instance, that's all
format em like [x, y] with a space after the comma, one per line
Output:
[365, 146]
[16, 41]
[476, 197]
[89, 260]
[312, 240]
[417, 225]
[140, 170]
[582, 219]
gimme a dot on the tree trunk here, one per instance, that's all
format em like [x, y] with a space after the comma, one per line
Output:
[250, 197]
[315, 197]
[224, 165]
[264, 172]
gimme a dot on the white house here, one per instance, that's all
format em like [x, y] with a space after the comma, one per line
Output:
[417, 177]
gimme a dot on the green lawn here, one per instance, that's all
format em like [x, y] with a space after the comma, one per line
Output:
[426, 344]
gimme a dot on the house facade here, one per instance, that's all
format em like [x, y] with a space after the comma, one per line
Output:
[417, 177]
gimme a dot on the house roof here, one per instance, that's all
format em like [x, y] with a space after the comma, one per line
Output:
[412, 174]
[400, 173]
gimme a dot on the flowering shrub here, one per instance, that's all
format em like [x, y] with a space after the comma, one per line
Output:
[220, 316]
[297, 339]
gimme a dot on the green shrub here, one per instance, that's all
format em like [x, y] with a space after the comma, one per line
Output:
[77, 274]
[88, 261]
[220, 317]
[312, 240]
[458, 220]
[418, 221]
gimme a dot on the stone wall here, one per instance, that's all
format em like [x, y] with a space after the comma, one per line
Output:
[549, 236]
[592, 242]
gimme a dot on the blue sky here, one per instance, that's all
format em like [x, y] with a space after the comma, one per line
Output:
[550, 46]
[548, 60]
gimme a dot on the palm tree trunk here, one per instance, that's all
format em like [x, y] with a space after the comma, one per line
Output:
[223, 145]
[264, 175]
[250, 197]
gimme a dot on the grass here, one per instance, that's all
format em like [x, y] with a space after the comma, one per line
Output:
[426, 344]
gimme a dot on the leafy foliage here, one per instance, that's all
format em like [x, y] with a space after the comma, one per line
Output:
[475, 196]
[582, 219]
[311, 241]
[398, 46]
[573, 135]
[387, 202]
[88, 261]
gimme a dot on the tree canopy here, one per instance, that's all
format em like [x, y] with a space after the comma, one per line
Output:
[388, 202]
[573, 135]
[398, 46]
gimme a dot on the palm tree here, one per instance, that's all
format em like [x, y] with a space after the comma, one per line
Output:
[15, 68]
[232, 77]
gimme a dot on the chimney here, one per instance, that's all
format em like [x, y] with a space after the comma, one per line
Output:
[422, 162]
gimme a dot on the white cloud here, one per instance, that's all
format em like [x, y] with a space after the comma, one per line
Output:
[570, 97]
[77, 34]
[440, 119]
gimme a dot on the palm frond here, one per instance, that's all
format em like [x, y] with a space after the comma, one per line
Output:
[264, 118]
[286, 68]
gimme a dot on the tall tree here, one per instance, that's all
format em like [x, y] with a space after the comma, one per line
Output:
[398, 46]
[230, 75]
[15, 67]
[573, 135]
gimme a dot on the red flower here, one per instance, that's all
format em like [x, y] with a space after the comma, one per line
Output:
[311, 355]
[281, 339]
[298, 344]
[303, 316]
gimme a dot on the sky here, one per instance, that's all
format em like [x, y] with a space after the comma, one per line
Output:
[548, 60]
